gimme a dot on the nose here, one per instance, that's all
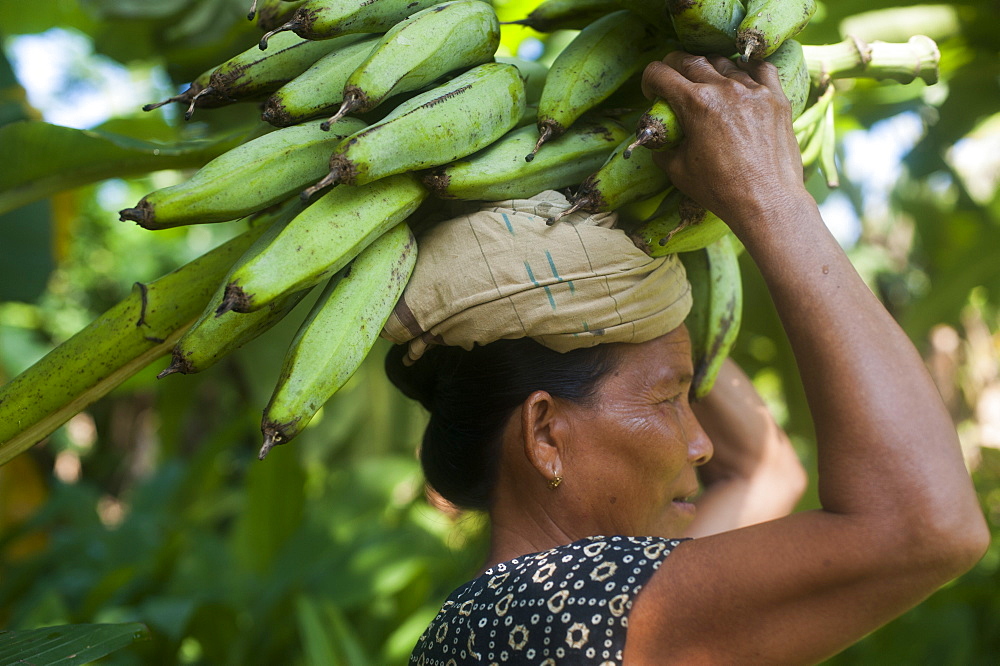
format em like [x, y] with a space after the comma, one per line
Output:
[700, 447]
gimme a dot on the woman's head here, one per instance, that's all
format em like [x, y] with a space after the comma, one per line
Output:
[471, 396]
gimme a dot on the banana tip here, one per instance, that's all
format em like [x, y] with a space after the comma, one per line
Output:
[272, 438]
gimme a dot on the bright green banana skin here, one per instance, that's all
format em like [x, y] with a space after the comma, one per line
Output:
[437, 127]
[717, 311]
[322, 239]
[500, 172]
[659, 127]
[595, 64]
[422, 48]
[112, 348]
[620, 181]
[320, 89]
[254, 73]
[706, 26]
[769, 23]
[248, 178]
[554, 15]
[338, 333]
[324, 19]
[213, 336]
[533, 74]
[678, 225]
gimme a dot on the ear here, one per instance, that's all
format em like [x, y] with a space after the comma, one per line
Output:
[543, 433]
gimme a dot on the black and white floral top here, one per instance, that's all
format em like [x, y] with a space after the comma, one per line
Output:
[567, 605]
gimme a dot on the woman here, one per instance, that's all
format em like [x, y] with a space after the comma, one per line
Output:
[587, 475]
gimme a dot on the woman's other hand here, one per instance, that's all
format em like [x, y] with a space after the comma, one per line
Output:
[754, 474]
[739, 163]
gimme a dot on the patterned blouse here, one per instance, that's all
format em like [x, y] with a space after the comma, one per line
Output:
[567, 605]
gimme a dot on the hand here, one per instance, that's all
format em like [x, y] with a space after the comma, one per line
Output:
[739, 157]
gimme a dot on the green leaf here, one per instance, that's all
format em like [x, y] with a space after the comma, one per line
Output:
[51, 158]
[69, 644]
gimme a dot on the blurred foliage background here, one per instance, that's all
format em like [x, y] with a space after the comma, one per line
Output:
[150, 506]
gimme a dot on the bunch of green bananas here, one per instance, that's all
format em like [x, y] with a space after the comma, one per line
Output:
[441, 118]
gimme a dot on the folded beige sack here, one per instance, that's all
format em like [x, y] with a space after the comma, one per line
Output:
[503, 273]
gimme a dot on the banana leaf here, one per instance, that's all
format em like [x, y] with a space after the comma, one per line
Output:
[67, 645]
[42, 159]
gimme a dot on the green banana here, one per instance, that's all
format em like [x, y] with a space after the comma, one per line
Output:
[252, 74]
[554, 15]
[717, 309]
[321, 240]
[499, 172]
[533, 73]
[420, 49]
[247, 178]
[828, 151]
[678, 225]
[319, 89]
[112, 348]
[659, 127]
[653, 12]
[338, 333]
[323, 19]
[273, 13]
[706, 27]
[213, 336]
[595, 64]
[769, 23]
[618, 182]
[436, 127]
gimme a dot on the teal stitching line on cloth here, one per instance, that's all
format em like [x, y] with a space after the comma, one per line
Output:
[552, 265]
[531, 276]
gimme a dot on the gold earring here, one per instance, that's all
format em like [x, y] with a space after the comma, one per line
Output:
[554, 482]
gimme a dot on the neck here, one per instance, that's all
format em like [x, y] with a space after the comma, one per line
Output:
[520, 524]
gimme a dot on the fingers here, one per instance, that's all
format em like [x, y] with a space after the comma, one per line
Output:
[679, 69]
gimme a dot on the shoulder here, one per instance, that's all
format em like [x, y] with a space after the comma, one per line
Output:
[570, 602]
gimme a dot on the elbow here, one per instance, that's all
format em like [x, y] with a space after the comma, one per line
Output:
[952, 543]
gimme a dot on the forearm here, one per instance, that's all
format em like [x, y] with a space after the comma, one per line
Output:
[754, 474]
[868, 392]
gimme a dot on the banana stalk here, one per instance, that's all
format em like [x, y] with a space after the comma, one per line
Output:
[853, 58]
[338, 334]
[112, 348]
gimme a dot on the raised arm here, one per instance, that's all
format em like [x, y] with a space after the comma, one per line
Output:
[754, 474]
[899, 514]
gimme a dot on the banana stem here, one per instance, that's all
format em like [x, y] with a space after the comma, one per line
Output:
[854, 58]
[253, 11]
[115, 346]
[207, 90]
[290, 25]
[545, 135]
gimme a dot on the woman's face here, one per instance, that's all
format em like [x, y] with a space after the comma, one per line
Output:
[632, 459]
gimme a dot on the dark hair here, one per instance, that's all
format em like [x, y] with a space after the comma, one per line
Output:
[471, 395]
